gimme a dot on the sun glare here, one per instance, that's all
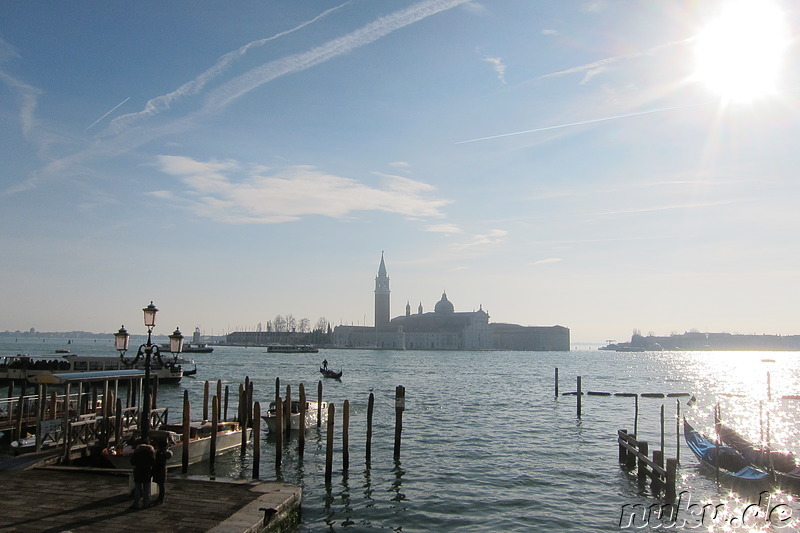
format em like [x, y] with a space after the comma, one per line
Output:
[740, 54]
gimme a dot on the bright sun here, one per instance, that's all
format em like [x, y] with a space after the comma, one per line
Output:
[739, 55]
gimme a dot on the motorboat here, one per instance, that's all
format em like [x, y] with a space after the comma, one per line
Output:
[312, 407]
[292, 348]
[192, 348]
[229, 435]
[29, 368]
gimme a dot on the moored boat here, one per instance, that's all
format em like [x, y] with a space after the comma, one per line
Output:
[782, 464]
[27, 444]
[292, 348]
[732, 467]
[229, 435]
[310, 419]
[31, 368]
[192, 348]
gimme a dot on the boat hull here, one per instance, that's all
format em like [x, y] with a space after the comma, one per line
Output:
[199, 449]
[311, 416]
[723, 461]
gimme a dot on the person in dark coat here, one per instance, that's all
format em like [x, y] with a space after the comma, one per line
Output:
[143, 459]
[163, 455]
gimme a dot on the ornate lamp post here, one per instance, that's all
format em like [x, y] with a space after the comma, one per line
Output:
[148, 350]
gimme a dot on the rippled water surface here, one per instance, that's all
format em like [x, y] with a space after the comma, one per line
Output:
[486, 444]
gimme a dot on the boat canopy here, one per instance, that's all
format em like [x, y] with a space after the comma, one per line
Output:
[100, 375]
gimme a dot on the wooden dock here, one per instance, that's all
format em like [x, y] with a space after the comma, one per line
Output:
[62, 499]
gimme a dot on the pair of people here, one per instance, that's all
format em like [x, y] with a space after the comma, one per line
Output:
[149, 463]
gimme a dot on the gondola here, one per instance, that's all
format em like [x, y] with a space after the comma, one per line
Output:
[734, 469]
[782, 464]
[328, 373]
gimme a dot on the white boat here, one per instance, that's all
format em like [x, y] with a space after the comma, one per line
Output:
[229, 435]
[28, 367]
[311, 415]
[292, 348]
[28, 444]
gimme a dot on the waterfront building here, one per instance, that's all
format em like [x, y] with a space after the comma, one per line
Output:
[444, 328]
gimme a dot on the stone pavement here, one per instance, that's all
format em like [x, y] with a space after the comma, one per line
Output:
[55, 500]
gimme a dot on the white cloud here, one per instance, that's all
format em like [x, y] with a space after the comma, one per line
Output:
[229, 192]
[241, 85]
[596, 67]
[547, 261]
[165, 101]
[549, 32]
[498, 66]
[443, 228]
[493, 237]
[595, 6]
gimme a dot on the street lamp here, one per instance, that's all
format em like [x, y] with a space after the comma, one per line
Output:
[121, 343]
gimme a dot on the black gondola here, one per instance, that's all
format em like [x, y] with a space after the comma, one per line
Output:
[328, 373]
[733, 468]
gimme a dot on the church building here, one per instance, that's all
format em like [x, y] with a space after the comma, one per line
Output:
[444, 328]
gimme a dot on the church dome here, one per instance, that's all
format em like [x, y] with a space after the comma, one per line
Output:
[444, 306]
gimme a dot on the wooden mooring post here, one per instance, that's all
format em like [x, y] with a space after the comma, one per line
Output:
[580, 395]
[345, 435]
[319, 403]
[279, 433]
[256, 438]
[187, 426]
[226, 403]
[205, 400]
[214, 428]
[556, 382]
[399, 407]
[287, 414]
[634, 453]
[219, 395]
[247, 412]
[329, 445]
[301, 437]
[370, 411]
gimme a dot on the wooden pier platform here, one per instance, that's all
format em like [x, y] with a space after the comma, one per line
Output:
[84, 500]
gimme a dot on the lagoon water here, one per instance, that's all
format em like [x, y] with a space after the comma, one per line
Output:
[486, 444]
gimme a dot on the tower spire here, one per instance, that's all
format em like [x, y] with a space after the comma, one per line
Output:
[382, 297]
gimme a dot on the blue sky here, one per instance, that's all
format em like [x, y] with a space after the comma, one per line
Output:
[554, 162]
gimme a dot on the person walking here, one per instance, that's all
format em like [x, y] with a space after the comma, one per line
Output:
[143, 459]
[163, 455]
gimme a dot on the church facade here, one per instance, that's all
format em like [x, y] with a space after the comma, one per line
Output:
[444, 328]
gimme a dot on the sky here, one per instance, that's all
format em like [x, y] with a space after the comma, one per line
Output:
[604, 165]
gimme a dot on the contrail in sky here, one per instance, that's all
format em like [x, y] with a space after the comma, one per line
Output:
[108, 113]
[569, 125]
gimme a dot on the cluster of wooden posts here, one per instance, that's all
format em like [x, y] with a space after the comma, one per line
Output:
[249, 415]
[634, 453]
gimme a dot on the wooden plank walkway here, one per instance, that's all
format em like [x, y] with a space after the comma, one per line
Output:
[55, 500]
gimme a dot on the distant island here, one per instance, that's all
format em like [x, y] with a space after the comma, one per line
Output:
[697, 341]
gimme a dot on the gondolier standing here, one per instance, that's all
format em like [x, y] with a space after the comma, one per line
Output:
[325, 364]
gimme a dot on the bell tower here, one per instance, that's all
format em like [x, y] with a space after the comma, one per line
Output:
[382, 297]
